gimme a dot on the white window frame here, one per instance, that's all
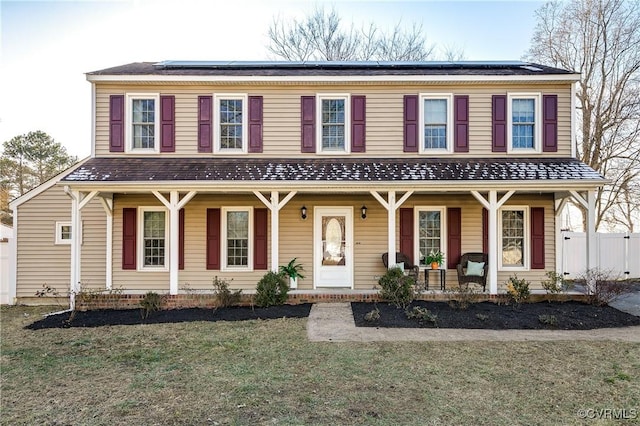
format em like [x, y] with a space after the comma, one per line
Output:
[450, 130]
[537, 125]
[58, 237]
[225, 266]
[526, 257]
[416, 231]
[130, 97]
[140, 239]
[347, 122]
[217, 123]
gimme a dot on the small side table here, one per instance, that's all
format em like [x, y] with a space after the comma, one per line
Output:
[443, 277]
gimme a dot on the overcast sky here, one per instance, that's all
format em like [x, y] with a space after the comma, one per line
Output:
[47, 46]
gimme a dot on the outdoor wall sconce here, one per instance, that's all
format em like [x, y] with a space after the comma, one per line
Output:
[363, 209]
[303, 212]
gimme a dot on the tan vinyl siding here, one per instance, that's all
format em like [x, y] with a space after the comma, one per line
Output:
[40, 261]
[296, 239]
[384, 115]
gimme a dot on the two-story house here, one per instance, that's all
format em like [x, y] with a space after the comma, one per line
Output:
[230, 169]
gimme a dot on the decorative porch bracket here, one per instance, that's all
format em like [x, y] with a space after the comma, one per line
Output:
[78, 201]
[391, 205]
[274, 206]
[174, 204]
[492, 205]
[589, 203]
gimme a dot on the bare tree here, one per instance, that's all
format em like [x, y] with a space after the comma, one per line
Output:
[601, 40]
[320, 36]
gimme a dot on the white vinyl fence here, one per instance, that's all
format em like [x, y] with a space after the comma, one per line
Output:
[617, 254]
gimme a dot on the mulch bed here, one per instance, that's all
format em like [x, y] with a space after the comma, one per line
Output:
[491, 316]
[98, 318]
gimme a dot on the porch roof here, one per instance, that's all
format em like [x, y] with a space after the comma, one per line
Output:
[332, 170]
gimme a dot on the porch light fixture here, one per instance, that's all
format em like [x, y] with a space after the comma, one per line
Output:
[363, 209]
[303, 212]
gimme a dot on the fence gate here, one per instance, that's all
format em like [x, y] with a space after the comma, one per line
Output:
[617, 254]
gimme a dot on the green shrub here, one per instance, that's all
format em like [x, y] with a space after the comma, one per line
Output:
[422, 314]
[482, 317]
[272, 290]
[555, 284]
[549, 320]
[517, 290]
[224, 296]
[462, 297]
[151, 302]
[372, 316]
[397, 288]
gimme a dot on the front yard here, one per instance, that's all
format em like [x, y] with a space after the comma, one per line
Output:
[266, 372]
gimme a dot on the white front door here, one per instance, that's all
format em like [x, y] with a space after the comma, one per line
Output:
[333, 247]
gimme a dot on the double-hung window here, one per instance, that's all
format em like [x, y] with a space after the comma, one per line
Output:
[142, 123]
[334, 123]
[514, 237]
[524, 127]
[231, 123]
[436, 118]
[430, 226]
[154, 246]
[237, 238]
[63, 233]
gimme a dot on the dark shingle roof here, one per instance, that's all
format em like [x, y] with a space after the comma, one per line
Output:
[367, 68]
[328, 170]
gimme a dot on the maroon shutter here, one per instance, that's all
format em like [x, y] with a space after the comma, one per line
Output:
[260, 239]
[213, 238]
[406, 234]
[205, 126]
[550, 129]
[411, 123]
[358, 123]
[461, 120]
[255, 123]
[167, 124]
[116, 123]
[537, 238]
[129, 219]
[485, 230]
[308, 115]
[181, 239]
[454, 236]
[499, 123]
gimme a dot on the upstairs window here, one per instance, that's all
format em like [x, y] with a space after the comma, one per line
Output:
[231, 118]
[334, 123]
[142, 116]
[436, 123]
[524, 125]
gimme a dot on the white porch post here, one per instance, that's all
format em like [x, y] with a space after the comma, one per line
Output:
[275, 205]
[107, 205]
[174, 204]
[559, 205]
[75, 248]
[391, 205]
[492, 205]
[592, 254]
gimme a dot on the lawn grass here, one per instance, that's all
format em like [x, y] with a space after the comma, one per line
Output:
[266, 372]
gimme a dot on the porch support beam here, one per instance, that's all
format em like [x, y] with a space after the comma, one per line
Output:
[76, 220]
[391, 205]
[559, 204]
[107, 205]
[492, 205]
[174, 204]
[592, 255]
[275, 205]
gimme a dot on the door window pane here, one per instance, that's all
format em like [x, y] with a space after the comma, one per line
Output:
[333, 240]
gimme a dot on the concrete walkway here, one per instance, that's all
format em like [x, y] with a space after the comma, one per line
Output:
[333, 322]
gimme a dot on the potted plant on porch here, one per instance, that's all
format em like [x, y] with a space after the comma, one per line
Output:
[293, 271]
[435, 259]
